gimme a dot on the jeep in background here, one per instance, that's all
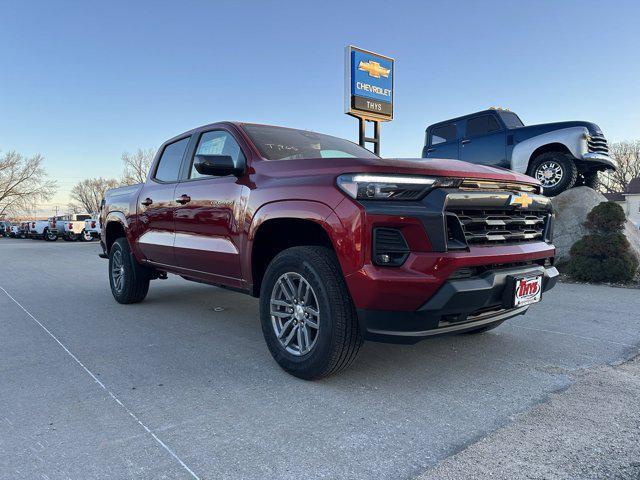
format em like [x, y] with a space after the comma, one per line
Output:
[559, 155]
[339, 244]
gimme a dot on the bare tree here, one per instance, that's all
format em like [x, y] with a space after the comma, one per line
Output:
[23, 183]
[136, 166]
[88, 193]
[627, 155]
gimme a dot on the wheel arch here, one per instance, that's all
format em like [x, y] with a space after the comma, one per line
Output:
[115, 226]
[568, 140]
[280, 225]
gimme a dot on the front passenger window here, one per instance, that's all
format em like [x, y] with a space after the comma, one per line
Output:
[218, 142]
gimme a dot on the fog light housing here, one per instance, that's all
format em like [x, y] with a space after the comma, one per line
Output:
[389, 247]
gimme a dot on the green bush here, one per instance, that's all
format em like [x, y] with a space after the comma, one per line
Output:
[604, 255]
[606, 217]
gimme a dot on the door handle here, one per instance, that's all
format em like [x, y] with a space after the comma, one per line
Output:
[182, 199]
[465, 141]
[146, 202]
[429, 150]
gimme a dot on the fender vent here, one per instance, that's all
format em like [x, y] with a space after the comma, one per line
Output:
[389, 247]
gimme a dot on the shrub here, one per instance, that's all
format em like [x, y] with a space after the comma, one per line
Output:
[606, 217]
[604, 255]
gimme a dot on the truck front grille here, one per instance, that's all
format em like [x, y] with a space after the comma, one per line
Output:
[598, 144]
[492, 227]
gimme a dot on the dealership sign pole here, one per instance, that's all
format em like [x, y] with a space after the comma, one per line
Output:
[368, 91]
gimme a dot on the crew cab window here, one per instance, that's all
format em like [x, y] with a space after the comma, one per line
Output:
[169, 165]
[444, 133]
[218, 142]
[481, 125]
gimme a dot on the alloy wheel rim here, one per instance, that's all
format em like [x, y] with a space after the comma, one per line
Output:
[295, 313]
[117, 271]
[549, 174]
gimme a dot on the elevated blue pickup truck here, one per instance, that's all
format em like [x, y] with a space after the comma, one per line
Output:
[560, 155]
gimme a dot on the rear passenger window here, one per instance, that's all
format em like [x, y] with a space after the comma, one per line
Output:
[481, 125]
[443, 133]
[169, 165]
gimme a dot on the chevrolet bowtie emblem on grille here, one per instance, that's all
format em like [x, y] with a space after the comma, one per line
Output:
[523, 200]
[374, 69]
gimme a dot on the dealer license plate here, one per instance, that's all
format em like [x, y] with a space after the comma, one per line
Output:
[528, 291]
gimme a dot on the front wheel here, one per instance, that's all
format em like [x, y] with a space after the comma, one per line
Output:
[128, 279]
[308, 318]
[556, 172]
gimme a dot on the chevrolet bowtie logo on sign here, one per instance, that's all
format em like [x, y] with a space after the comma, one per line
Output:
[368, 85]
[374, 69]
[523, 200]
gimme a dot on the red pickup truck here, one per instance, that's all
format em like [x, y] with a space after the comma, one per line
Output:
[339, 244]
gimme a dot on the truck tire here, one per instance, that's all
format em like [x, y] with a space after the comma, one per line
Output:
[128, 279]
[555, 170]
[308, 318]
[588, 180]
[50, 236]
[71, 237]
[86, 236]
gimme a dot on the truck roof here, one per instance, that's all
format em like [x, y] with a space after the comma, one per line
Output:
[462, 117]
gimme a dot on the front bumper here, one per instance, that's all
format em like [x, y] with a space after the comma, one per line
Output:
[600, 158]
[459, 305]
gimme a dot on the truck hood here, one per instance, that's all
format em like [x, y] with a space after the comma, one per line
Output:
[399, 166]
[533, 130]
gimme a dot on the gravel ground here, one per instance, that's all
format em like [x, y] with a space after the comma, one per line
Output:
[589, 431]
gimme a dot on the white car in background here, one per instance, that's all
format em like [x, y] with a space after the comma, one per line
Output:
[40, 229]
[91, 229]
[74, 227]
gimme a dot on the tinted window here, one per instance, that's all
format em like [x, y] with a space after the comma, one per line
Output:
[169, 166]
[218, 142]
[481, 125]
[443, 133]
[510, 119]
[279, 143]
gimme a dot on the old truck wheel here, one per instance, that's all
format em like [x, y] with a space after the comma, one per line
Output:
[308, 318]
[128, 279]
[556, 172]
[50, 236]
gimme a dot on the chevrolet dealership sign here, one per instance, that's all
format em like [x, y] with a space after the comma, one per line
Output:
[368, 84]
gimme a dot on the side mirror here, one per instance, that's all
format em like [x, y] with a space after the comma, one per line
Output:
[216, 165]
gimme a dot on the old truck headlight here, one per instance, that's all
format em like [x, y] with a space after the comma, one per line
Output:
[366, 186]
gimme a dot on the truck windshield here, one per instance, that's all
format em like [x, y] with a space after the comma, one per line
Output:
[510, 119]
[279, 143]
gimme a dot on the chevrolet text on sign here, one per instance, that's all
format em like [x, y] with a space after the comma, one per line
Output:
[368, 84]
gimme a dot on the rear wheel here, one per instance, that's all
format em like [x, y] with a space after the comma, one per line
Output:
[308, 318]
[86, 236]
[50, 236]
[556, 172]
[71, 237]
[128, 279]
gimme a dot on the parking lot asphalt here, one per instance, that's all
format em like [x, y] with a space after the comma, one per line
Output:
[182, 385]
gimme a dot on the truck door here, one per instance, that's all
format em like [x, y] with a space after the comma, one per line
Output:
[156, 205]
[209, 221]
[442, 142]
[484, 141]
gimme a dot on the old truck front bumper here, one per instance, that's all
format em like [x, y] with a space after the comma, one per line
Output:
[600, 158]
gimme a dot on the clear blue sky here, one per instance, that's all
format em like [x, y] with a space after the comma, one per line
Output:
[83, 81]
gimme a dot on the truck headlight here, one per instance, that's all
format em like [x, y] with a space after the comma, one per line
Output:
[371, 186]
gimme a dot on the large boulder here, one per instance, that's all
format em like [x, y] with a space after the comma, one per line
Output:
[571, 208]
